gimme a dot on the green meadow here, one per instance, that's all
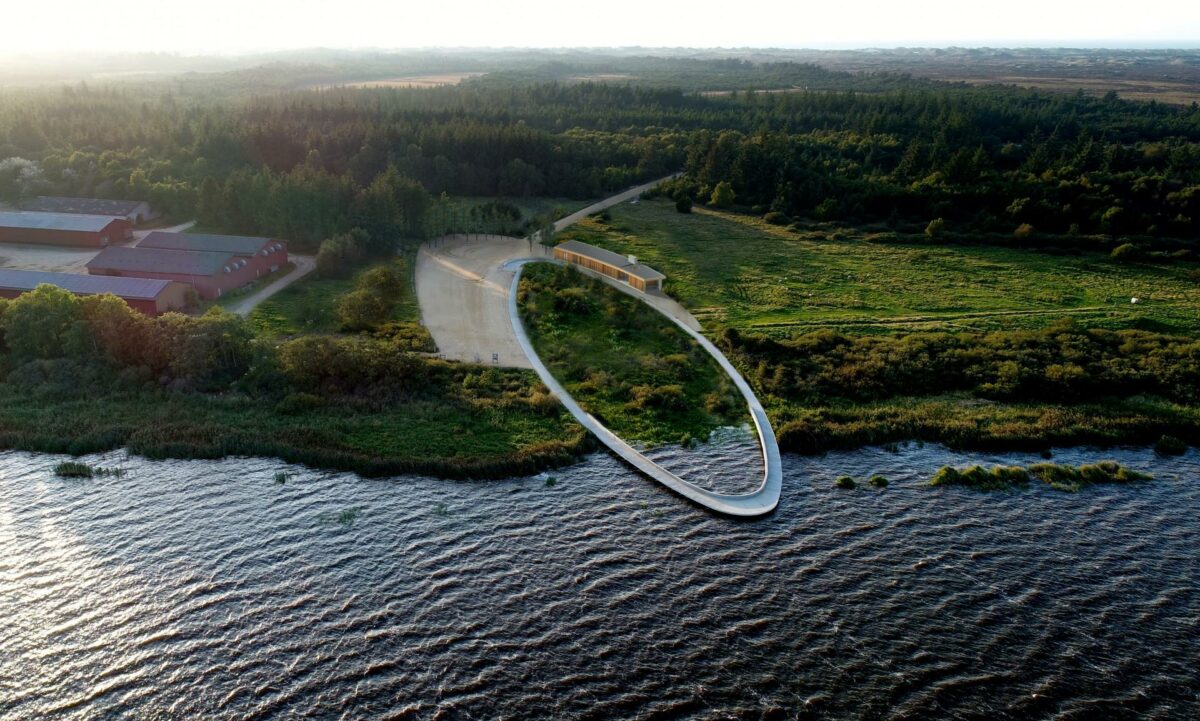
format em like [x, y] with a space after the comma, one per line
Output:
[740, 271]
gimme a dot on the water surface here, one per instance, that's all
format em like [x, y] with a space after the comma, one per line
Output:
[197, 589]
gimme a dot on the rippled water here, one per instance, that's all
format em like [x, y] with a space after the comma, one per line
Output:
[208, 590]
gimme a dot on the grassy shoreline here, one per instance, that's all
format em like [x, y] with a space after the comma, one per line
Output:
[414, 438]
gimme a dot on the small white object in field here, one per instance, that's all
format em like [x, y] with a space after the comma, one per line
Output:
[1133, 300]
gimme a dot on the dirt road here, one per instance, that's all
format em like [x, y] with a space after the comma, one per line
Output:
[462, 287]
[304, 264]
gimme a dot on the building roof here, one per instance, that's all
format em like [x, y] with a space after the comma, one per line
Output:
[86, 206]
[236, 244]
[159, 260]
[56, 221]
[616, 260]
[135, 288]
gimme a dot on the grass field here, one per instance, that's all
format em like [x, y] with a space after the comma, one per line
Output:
[624, 362]
[743, 272]
[310, 305]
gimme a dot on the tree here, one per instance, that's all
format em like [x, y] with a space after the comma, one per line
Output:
[341, 254]
[722, 195]
[683, 204]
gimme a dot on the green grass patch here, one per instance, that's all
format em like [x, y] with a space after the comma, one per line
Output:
[311, 306]
[747, 273]
[623, 361]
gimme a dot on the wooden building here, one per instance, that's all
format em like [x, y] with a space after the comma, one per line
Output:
[626, 269]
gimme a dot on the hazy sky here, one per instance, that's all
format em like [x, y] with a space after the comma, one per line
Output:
[225, 26]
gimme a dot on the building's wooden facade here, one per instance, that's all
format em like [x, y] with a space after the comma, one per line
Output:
[626, 269]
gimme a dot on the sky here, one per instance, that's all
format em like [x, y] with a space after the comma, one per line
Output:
[236, 26]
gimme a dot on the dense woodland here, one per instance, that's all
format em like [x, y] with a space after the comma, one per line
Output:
[306, 165]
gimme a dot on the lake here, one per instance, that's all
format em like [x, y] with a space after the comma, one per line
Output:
[201, 589]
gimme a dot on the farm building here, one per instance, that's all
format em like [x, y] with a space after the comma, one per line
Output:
[614, 265]
[135, 211]
[94, 231]
[265, 255]
[211, 274]
[212, 264]
[152, 297]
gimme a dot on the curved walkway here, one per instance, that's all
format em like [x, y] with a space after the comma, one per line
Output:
[759, 502]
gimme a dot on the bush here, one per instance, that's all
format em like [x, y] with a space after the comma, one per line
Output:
[1170, 446]
[1125, 253]
[1024, 230]
[383, 280]
[935, 229]
[878, 481]
[1194, 274]
[668, 397]
[845, 482]
[777, 218]
[362, 310]
[722, 195]
[296, 403]
[683, 204]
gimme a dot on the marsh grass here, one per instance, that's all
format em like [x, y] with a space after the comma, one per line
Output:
[1057, 476]
[75, 469]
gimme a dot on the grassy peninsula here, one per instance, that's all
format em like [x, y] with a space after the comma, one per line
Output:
[623, 361]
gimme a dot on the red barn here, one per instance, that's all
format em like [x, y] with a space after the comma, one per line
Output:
[263, 255]
[152, 297]
[96, 231]
[211, 274]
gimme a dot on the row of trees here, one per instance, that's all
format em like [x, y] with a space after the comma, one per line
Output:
[310, 165]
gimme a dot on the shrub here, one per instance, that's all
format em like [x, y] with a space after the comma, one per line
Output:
[1194, 274]
[383, 280]
[845, 482]
[1170, 446]
[777, 218]
[1125, 252]
[936, 228]
[295, 403]
[683, 204]
[362, 310]
[1024, 230]
[668, 397]
[878, 481]
[722, 195]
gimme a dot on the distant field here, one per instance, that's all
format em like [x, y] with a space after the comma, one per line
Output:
[410, 81]
[1164, 92]
[743, 272]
